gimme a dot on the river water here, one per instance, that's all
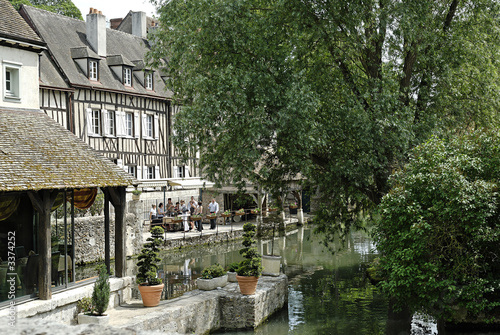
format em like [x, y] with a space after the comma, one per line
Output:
[329, 293]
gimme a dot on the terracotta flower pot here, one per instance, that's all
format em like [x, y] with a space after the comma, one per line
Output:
[248, 285]
[151, 294]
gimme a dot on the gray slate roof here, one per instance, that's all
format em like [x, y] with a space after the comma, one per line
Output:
[37, 153]
[13, 26]
[62, 34]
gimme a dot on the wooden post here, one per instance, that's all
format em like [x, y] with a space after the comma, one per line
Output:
[107, 239]
[42, 201]
[117, 197]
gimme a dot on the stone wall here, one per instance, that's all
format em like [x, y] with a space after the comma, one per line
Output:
[89, 237]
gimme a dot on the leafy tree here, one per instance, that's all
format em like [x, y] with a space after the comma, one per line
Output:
[337, 91]
[64, 7]
[439, 229]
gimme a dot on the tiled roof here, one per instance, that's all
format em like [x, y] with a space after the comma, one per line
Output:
[37, 153]
[66, 38]
[13, 26]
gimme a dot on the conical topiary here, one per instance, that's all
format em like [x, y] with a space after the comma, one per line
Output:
[148, 259]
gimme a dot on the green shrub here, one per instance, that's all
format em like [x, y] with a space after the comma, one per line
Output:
[439, 231]
[84, 305]
[252, 264]
[148, 258]
[233, 267]
[213, 271]
[100, 296]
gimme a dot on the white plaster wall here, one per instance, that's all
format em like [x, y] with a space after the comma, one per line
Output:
[28, 81]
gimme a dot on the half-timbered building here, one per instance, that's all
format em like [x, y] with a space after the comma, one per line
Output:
[95, 82]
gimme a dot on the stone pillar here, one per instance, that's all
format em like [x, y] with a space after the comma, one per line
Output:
[135, 228]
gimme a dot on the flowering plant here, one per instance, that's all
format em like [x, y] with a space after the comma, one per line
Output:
[240, 211]
[228, 212]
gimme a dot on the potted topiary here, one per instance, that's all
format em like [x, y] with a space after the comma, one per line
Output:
[212, 276]
[250, 268]
[150, 285]
[136, 194]
[231, 272]
[92, 309]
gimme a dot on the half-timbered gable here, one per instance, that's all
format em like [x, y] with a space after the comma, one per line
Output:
[94, 81]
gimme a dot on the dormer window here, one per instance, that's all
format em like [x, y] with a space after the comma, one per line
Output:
[93, 70]
[148, 81]
[127, 76]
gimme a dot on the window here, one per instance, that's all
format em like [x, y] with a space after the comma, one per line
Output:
[127, 76]
[11, 82]
[148, 81]
[93, 74]
[129, 124]
[149, 125]
[110, 123]
[96, 122]
[132, 169]
[151, 172]
[181, 171]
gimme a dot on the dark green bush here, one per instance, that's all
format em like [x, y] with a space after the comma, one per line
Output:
[439, 230]
[148, 258]
[252, 264]
[233, 267]
[100, 295]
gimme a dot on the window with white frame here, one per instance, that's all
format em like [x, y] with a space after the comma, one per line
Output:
[110, 123]
[96, 121]
[148, 81]
[151, 172]
[127, 76]
[181, 171]
[129, 124]
[149, 126]
[11, 81]
[93, 70]
[132, 169]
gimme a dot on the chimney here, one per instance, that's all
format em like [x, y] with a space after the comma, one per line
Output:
[139, 24]
[96, 31]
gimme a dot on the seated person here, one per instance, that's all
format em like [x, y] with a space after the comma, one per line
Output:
[161, 212]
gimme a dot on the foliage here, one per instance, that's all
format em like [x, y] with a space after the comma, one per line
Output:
[439, 233]
[148, 258]
[84, 305]
[100, 295]
[337, 91]
[252, 264]
[240, 211]
[233, 267]
[136, 192]
[63, 7]
[227, 212]
[213, 271]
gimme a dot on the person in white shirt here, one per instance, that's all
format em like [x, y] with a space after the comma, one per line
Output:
[152, 213]
[213, 207]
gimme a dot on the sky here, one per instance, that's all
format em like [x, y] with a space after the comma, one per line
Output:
[114, 8]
